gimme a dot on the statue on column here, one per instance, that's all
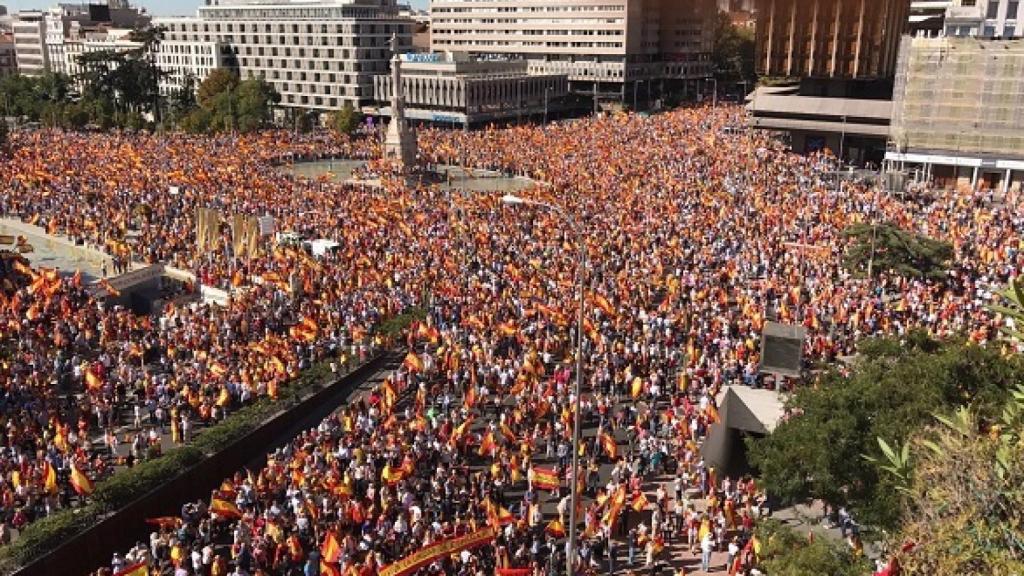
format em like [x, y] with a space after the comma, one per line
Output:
[400, 139]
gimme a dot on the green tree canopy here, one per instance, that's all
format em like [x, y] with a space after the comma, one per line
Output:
[346, 120]
[886, 247]
[964, 509]
[784, 552]
[893, 390]
[220, 81]
[733, 51]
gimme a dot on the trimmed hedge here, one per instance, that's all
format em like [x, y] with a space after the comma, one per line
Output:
[124, 486]
[395, 326]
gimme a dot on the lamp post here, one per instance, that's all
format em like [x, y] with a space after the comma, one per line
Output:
[513, 200]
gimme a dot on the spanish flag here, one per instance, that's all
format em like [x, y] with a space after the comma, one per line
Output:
[609, 445]
[165, 522]
[637, 387]
[224, 398]
[225, 509]
[330, 550]
[555, 529]
[92, 381]
[545, 479]
[329, 569]
[140, 569]
[639, 502]
[413, 363]
[487, 444]
[113, 292]
[80, 482]
[604, 305]
[49, 478]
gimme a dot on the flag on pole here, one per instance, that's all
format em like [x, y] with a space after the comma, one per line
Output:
[545, 479]
[80, 482]
[330, 551]
[609, 445]
[225, 509]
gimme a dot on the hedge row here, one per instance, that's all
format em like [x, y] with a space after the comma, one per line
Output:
[47, 533]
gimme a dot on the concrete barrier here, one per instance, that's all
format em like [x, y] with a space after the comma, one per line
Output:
[125, 527]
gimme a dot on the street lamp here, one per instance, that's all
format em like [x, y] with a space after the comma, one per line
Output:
[513, 200]
[547, 91]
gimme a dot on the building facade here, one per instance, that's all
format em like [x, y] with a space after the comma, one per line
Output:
[8, 55]
[853, 39]
[29, 28]
[454, 89]
[928, 17]
[317, 54]
[958, 112]
[599, 44]
[984, 19]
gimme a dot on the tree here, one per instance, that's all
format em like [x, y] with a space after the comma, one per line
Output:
[787, 553]
[220, 81]
[1012, 309]
[885, 247]
[733, 51]
[254, 99]
[893, 390]
[964, 509]
[182, 101]
[346, 120]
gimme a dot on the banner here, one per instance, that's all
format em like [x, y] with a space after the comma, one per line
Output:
[438, 550]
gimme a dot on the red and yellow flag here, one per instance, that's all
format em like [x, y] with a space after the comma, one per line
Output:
[49, 478]
[80, 482]
[639, 502]
[140, 569]
[412, 362]
[487, 444]
[609, 445]
[555, 529]
[225, 509]
[545, 479]
[330, 550]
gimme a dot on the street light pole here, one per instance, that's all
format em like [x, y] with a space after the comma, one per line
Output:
[547, 90]
[580, 281]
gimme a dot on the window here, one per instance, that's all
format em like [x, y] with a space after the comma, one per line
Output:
[990, 32]
[1011, 9]
[993, 10]
[1009, 31]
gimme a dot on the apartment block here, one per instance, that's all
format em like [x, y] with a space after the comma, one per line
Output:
[607, 43]
[316, 54]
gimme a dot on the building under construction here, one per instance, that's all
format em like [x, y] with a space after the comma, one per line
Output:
[958, 112]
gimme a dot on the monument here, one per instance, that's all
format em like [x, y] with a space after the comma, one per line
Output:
[400, 140]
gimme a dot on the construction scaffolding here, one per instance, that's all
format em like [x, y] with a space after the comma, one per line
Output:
[960, 95]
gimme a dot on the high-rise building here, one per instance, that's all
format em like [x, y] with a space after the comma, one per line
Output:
[833, 63]
[29, 29]
[603, 45]
[855, 39]
[957, 115]
[48, 40]
[984, 19]
[318, 54]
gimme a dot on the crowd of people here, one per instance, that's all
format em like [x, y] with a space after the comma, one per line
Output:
[686, 232]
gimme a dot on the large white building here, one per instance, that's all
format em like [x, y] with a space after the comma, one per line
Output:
[29, 29]
[50, 40]
[611, 45]
[318, 54]
[985, 19]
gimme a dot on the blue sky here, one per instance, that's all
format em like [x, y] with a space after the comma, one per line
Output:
[159, 7]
